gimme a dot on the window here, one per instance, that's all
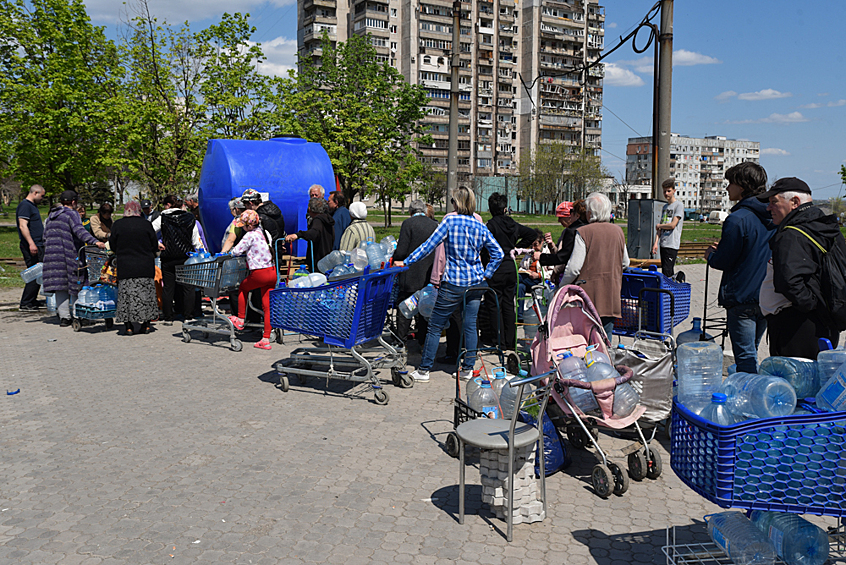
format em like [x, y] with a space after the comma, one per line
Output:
[393, 28]
[374, 23]
[393, 12]
[427, 60]
[393, 45]
[484, 163]
[432, 26]
[377, 41]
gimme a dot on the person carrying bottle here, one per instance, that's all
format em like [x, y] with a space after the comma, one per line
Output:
[742, 255]
[256, 245]
[464, 239]
[320, 233]
[31, 234]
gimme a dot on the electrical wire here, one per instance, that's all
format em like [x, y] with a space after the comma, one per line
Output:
[604, 107]
[285, 13]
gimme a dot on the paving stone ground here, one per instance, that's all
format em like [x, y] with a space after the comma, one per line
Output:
[146, 449]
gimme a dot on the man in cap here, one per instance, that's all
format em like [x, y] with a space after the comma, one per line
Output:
[269, 213]
[147, 209]
[790, 294]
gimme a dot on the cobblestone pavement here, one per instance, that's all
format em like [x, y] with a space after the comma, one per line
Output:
[146, 449]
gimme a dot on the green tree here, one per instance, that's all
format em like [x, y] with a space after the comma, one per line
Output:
[542, 175]
[584, 174]
[59, 80]
[362, 111]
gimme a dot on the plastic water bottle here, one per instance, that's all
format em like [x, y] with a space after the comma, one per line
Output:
[508, 396]
[472, 385]
[832, 395]
[390, 240]
[718, 413]
[359, 258]
[758, 396]
[426, 303]
[330, 261]
[375, 256]
[800, 373]
[409, 307]
[700, 372]
[738, 537]
[499, 381]
[572, 367]
[626, 400]
[339, 271]
[828, 362]
[796, 540]
[315, 279]
[592, 353]
[694, 334]
[484, 400]
[51, 302]
[32, 273]
[302, 271]
[82, 297]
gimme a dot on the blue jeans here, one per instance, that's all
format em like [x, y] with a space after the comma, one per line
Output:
[746, 325]
[450, 297]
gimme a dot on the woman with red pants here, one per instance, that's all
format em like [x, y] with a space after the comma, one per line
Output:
[262, 272]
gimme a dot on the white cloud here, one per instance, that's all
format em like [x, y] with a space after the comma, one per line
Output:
[618, 76]
[791, 118]
[840, 102]
[612, 25]
[685, 58]
[832, 104]
[774, 151]
[766, 94]
[281, 56]
[812, 106]
[113, 11]
[724, 96]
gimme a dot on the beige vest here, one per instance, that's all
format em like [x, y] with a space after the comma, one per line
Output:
[602, 271]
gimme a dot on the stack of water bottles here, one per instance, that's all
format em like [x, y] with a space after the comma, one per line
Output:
[301, 278]
[337, 264]
[596, 366]
[202, 277]
[100, 297]
[493, 397]
[759, 539]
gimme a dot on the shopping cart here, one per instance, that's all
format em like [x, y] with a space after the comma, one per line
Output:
[85, 316]
[651, 314]
[349, 316]
[92, 260]
[216, 278]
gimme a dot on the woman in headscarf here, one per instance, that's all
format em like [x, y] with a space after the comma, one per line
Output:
[135, 245]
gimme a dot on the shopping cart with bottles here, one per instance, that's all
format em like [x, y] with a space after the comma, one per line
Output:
[92, 261]
[216, 278]
[349, 316]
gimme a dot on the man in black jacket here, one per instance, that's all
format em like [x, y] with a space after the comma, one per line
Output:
[269, 214]
[790, 294]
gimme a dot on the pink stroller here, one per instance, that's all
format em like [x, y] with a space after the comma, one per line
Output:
[573, 325]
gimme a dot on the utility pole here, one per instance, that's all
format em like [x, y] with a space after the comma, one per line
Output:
[665, 97]
[455, 63]
[584, 72]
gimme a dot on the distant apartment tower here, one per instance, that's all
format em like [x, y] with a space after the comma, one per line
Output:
[698, 165]
[499, 121]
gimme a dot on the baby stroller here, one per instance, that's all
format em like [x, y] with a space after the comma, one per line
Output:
[573, 325]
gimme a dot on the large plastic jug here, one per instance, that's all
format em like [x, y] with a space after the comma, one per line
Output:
[410, 306]
[330, 261]
[796, 540]
[694, 334]
[375, 256]
[800, 373]
[32, 273]
[758, 396]
[428, 297]
[718, 413]
[738, 537]
[83, 297]
[626, 400]
[592, 353]
[700, 370]
[832, 395]
[484, 400]
[508, 396]
[316, 279]
[472, 385]
[499, 381]
[828, 362]
[359, 258]
[572, 367]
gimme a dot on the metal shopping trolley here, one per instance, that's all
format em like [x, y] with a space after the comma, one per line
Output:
[216, 278]
[92, 260]
[349, 315]
[651, 314]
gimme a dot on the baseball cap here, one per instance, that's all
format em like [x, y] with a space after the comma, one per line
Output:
[251, 195]
[146, 203]
[68, 196]
[248, 218]
[564, 209]
[788, 184]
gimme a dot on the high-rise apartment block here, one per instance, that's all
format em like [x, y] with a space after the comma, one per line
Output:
[507, 47]
[698, 165]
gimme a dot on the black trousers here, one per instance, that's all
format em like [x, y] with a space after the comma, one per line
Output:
[30, 291]
[504, 284]
[170, 288]
[793, 333]
[668, 260]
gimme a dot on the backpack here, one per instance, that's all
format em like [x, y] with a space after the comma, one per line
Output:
[832, 281]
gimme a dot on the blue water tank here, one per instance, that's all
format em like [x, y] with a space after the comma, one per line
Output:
[284, 167]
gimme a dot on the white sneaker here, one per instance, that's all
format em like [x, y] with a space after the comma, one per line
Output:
[465, 375]
[420, 376]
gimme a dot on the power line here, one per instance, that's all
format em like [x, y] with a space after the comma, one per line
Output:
[622, 120]
[615, 156]
[285, 13]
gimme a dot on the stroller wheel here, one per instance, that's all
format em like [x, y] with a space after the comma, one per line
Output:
[577, 436]
[637, 465]
[654, 465]
[621, 479]
[602, 480]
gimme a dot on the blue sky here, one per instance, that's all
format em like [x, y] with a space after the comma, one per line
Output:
[768, 71]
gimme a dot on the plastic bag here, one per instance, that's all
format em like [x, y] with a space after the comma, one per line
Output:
[555, 457]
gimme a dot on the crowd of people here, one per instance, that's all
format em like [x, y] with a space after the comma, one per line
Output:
[771, 253]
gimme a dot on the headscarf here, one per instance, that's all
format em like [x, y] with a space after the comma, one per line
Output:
[132, 208]
[248, 219]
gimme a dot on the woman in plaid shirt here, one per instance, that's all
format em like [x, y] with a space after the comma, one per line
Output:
[464, 238]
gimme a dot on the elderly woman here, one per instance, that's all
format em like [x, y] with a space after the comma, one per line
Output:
[232, 234]
[256, 245]
[464, 238]
[135, 245]
[598, 259]
[358, 230]
[101, 222]
[320, 233]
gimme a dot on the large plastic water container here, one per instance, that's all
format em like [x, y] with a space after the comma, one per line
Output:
[832, 395]
[592, 353]
[626, 400]
[499, 381]
[758, 396]
[484, 400]
[828, 362]
[796, 540]
[700, 370]
[718, 413]
[375, 256]
[738, 537]
[572, 367]
[359, 258]
[800, 373]
[331, 260]
[428, 297]
[283, 168]
[694, 334]
[508, 396]
[30, 274]
[410, 306]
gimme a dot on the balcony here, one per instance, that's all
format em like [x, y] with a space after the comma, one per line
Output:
[325, 3]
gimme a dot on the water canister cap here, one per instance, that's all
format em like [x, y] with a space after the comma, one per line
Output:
[719, 398]
[524, 373]
[486, 384]
[565, 355]
[592, 347]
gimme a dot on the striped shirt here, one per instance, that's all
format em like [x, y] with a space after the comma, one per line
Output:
[356, 232]
[465, 237]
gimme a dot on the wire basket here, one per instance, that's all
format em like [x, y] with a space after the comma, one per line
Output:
[216, 277]
[656, 313]
[344, 313]
[792, 464]
[95, 260]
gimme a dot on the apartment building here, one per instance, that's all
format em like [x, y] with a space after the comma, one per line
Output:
[698, 165]
[500, 41]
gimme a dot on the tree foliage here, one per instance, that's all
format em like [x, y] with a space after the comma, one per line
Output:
[555, 172]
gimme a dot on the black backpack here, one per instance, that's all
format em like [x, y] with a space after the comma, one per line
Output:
[832, 281]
